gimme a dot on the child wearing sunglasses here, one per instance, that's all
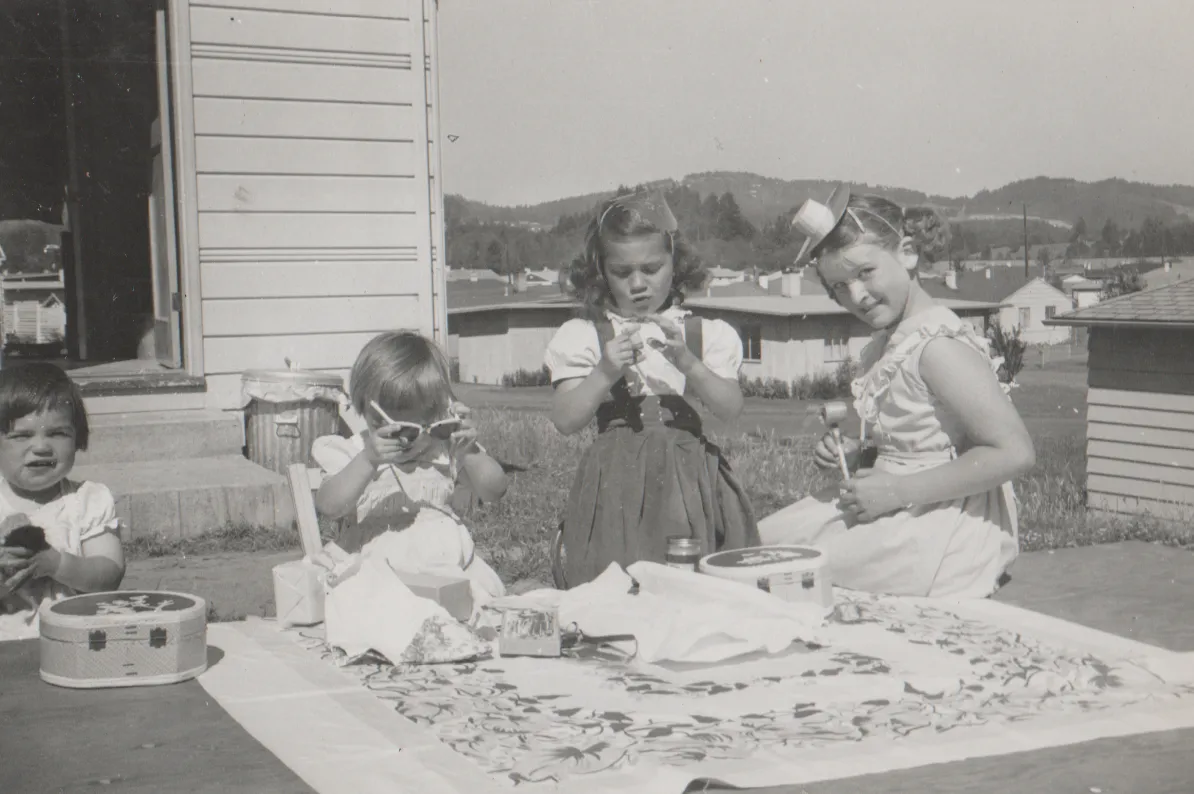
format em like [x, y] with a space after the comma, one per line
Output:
[395, 480]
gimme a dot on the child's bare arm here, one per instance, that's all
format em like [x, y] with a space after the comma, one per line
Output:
[338, 494]
[485, 476]
[721, 395]
[574, 402]
[480, 472]
[1000, 447]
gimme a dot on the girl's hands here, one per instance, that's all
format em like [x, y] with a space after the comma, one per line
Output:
[620, 352]
[673, 348]
[381, 450]
[870, 495]
[464, 441]
[825, 453]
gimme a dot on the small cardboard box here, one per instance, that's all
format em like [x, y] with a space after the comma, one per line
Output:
[450, 592]
[529, 631]
[299, 593]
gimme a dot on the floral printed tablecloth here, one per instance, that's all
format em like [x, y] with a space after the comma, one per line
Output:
[893, 669]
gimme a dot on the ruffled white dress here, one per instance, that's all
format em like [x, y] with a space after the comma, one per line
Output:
[84, 510]
[959, 548]
[405, 516]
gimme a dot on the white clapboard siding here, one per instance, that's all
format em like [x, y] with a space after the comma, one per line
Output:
[1183, 403]
[266, 316]
[1173, 511]
[316, 82]
[1140, 489]
[1140, 443]
[297, 279]
[307, 157]
[293, 193]
[232, 355]
[312, 158]
[326, 32]
[1140, 453]
[276, 229]
[271, 118]
[1140, 417]
[1130, 434]
[378, 9]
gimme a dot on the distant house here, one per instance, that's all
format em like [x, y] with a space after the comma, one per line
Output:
[1171, 272]
[783, 336]
[1140, 401]
[473, 274]
[1027, 300]
[1086, 293]
[720, 276]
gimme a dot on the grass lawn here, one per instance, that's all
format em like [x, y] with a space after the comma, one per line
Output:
[769, 448]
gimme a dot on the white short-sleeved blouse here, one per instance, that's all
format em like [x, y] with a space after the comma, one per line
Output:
[576, 349]
[84, 510]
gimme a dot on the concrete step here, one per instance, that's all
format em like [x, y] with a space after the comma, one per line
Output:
[181, 498]
[163, 435]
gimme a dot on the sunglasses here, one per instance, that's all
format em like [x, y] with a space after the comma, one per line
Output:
[408, 432]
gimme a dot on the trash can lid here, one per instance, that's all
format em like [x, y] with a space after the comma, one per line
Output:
[293, 377]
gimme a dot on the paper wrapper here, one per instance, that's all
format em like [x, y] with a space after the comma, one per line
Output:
[299, 593]
[371, 611]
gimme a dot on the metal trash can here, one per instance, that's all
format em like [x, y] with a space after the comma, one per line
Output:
[285, 411]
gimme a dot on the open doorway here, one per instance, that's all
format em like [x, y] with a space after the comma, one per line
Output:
[90, 267]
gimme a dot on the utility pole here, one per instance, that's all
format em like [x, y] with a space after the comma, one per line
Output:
[1024, 207]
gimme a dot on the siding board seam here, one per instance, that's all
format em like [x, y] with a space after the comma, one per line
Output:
[276, 137]
[292, 11]
[325, 100]
[303, 57]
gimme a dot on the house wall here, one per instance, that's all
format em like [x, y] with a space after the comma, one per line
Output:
[1140, 421]
[1084, 298]
[1035, 297]
[314, 152]
[794, 347]
[495, 343]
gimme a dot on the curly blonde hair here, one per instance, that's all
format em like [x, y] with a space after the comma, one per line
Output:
[586, 274]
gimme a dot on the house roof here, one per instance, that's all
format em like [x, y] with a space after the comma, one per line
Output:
[799, 305]
[1164, 307]
[976, 285]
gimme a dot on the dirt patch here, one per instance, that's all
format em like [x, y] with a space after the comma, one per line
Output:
[234, 585]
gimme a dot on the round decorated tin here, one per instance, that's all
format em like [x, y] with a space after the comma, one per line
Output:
[793, 573]
[123, 638]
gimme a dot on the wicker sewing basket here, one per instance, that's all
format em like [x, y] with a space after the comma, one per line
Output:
[124, 638]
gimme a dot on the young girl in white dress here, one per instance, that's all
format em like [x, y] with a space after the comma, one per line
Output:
[395, 480]
[936, 515]
[43, 423]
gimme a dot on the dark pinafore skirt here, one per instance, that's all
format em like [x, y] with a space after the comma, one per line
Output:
[650, 475]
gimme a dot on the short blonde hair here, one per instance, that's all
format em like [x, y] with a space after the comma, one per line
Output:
[402, 371]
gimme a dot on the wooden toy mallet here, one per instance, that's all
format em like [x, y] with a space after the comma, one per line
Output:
[833, 414]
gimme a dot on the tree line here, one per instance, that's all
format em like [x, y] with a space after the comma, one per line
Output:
[713, 225]
[724, 237]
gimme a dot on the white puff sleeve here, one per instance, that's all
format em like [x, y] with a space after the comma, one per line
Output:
[574, 351]
[97, 512]
[333, 453]
[721, 349]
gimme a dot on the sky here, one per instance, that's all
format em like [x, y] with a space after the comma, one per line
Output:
[555, 98]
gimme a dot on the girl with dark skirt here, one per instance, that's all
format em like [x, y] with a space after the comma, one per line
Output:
[632, 360]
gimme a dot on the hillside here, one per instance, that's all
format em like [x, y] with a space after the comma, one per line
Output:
[1057, 202]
